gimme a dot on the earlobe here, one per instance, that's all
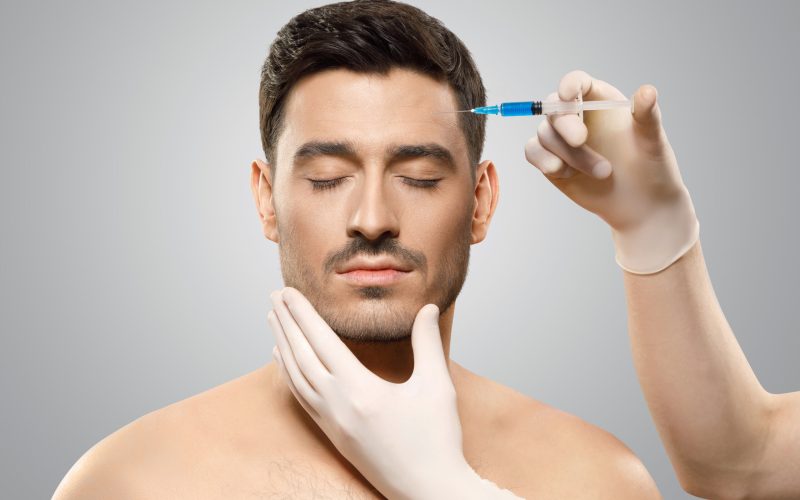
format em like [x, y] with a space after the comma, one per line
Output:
[487, 194]
[261, 187]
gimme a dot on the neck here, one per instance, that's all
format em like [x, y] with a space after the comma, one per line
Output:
[394, 361]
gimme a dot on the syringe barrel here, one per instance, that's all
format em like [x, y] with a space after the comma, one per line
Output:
[562, 107]
[525, 108]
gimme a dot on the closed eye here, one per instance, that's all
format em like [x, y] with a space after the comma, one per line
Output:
[422, 183]
[323, 184]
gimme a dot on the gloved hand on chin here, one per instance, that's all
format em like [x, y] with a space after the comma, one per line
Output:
[405, 439]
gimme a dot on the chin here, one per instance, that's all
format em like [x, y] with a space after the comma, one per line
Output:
[371, 321]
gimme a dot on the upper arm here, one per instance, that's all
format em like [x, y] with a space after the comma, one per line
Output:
[766, 468]
[775, 474]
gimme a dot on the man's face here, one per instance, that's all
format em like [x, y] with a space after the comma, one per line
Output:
[397, 192]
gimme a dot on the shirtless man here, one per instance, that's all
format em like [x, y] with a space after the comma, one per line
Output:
[357, 178]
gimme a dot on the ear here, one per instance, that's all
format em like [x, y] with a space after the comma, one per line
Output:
[261, 186]
[487, 194]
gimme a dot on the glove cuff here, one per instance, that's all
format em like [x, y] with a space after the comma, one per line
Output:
[462, 483]
[483, 489]
[657, 243]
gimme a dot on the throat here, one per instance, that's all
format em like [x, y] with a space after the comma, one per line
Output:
[391, 361]
[394, 361]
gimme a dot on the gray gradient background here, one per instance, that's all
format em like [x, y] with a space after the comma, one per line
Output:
[135, 274]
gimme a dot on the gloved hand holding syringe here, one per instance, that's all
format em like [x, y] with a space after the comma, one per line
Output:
[647, 194]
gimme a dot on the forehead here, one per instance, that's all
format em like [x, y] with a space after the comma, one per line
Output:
[371, 111]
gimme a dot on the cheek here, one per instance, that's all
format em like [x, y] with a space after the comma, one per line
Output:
[307, 230]
[436, 227]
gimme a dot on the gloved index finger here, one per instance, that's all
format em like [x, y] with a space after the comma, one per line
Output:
[569, 126]
[307, 360]
[573, 83]
[330, 349]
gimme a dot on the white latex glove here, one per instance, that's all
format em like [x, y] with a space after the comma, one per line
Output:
[620, 166]
[405, 439]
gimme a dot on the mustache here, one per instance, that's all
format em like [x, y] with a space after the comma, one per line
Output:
[389, 247]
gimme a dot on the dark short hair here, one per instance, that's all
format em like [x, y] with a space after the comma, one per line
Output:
[369, 36]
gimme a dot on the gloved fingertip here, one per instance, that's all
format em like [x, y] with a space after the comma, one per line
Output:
[427, 310]
[601, 169]
[578, 137]
[650, 92]
[645, 100]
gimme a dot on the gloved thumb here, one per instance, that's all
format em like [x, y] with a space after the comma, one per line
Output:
[647, 114]
[426, 342]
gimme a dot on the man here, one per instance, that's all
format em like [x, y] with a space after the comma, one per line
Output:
[368, 168]
[726, 436]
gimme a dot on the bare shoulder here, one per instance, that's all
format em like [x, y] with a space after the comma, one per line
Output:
[136, 460]
[549, 453]
[115, 466]
[588, 460]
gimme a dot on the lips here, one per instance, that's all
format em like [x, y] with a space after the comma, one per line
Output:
[373, 264]
[373, 272]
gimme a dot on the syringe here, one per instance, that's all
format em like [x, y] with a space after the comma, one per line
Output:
[531, 108]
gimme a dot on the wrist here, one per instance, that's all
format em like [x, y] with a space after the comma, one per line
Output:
[464, 483]
[656, 243]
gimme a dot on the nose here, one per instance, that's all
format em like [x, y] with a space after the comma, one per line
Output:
[373, 216]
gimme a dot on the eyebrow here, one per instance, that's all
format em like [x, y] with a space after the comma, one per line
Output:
[431, 150]
[346, 149]
[314, 149]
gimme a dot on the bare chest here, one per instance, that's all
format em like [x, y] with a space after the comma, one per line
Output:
[266, 476]
[299, 477]
[317, 475]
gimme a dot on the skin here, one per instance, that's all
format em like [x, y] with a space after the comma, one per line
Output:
[250, 436]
